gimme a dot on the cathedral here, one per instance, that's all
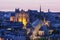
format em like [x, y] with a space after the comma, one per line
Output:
[20, 16]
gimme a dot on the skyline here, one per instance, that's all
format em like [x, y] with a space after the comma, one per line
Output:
[53, 5]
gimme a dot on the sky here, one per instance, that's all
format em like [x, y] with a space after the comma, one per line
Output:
[53, 5]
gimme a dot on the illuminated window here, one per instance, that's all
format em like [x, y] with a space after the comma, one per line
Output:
[1, 38]
[41, 33]
[11, 18]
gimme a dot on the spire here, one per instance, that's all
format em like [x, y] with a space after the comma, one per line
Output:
[48, 10]
[40, 8]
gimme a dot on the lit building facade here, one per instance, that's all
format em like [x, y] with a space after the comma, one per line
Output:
[22, 16]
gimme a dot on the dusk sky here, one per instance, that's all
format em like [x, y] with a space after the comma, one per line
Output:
[53, 5]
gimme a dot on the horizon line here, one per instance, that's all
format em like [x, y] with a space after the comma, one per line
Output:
[28, 9]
